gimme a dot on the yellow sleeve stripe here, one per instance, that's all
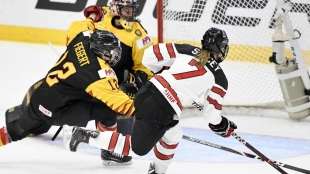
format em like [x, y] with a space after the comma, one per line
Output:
[116, 99]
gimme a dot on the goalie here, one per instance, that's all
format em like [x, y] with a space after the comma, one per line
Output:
[118, 18]
[191, 72]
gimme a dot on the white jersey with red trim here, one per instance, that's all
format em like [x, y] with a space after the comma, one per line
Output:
[181, 79]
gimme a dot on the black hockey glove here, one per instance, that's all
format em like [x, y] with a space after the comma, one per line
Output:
[128, 84]
[140, 78]
[129, 88]
[225, 128]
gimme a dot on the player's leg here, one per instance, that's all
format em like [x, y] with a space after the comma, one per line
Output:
[164, 150]
[21, 122]
[155, 128]
[115, 147]
[78, 114]
[125, 125]
[154, 116]
[107, 122]
[105, 117]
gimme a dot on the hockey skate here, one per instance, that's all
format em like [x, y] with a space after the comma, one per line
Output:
[114, 159]
[152, 169]
[80, 135]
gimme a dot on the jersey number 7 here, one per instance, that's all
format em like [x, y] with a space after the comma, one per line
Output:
[185, 75]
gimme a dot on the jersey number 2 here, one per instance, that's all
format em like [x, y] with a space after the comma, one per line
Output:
[185, 75]
[66, 71]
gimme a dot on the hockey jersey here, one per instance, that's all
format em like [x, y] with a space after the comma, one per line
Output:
[181, 79]
[80, 75]
[134, 39]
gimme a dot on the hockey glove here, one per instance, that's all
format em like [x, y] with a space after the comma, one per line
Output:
[94, 12]
[225, 128]
[140, 78]
[129, 88]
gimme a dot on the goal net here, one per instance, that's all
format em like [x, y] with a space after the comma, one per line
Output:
[249, 25]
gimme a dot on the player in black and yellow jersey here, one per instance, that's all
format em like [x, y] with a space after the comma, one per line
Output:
[81, 87]
[120, 19]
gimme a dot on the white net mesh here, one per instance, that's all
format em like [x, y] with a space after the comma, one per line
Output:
[249, 26]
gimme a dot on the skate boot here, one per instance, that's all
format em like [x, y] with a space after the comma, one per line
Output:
[80, 135]
[114, 159]
[152, 169]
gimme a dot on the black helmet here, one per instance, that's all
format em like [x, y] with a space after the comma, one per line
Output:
[215, 41]
[106, 45]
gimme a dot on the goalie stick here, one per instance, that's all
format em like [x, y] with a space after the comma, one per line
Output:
[249, 155]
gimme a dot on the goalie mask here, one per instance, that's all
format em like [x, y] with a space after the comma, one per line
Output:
[126, 9]
[106, 46]
[215, 41]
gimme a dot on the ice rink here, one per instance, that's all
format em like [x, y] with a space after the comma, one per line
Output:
[275, 135]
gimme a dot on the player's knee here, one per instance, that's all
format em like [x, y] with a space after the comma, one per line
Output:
[173, 135]
[13, 123]
[139, 149]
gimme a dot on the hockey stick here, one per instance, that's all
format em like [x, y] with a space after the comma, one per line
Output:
[258, 153]
[249, 155]
[57, 132]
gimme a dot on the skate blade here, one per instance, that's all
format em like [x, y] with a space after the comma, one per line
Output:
[113, 163]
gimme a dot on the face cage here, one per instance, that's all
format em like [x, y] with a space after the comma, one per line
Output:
[120, 7]
[112, 57]
[219, 57]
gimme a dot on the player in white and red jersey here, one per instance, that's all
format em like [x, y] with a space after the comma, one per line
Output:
[184, 73]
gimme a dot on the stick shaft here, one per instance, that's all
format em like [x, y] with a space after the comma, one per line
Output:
[56, 134]
[257, 152]
[249, 155]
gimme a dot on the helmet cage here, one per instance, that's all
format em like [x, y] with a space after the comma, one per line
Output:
[126, 9]
[216, 42]
[106, 46]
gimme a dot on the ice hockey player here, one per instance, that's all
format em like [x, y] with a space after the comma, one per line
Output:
[81, 87]
[120, 19]
[194, 75]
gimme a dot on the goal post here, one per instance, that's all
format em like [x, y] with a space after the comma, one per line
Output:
[160, 20]
[253, 79]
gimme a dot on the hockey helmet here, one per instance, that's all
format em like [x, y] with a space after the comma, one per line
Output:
[215, 41]
[107, 46]
[126, 9]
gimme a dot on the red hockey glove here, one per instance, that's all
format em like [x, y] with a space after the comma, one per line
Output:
[94, 12]
[225, 128]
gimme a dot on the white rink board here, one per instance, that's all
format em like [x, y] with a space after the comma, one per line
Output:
[29, 15]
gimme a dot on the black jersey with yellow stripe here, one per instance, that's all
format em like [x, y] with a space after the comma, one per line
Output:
[80, 75]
